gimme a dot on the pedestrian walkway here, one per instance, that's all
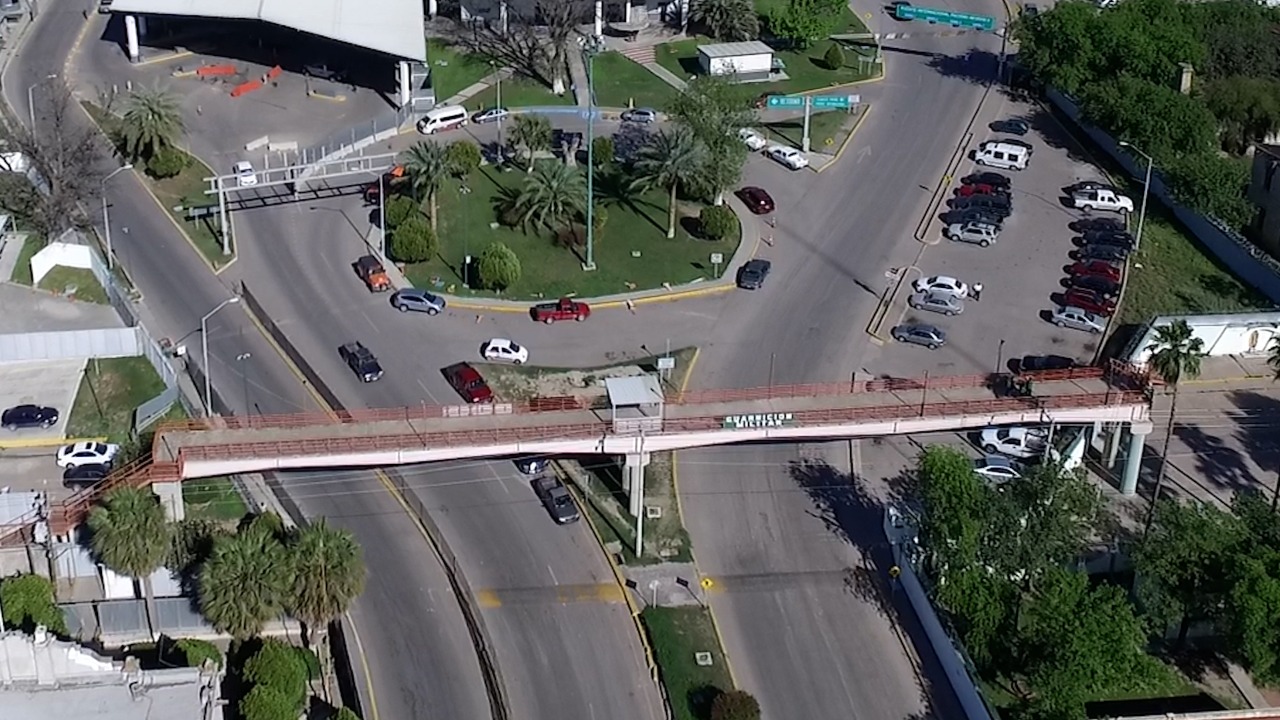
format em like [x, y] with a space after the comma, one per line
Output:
[666, 75]
[470, 91]
[578, 76]
[10, 251]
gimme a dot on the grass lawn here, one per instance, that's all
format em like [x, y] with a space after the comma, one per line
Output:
[677, 634]
[632, 251]
[61, 278]
[849, 23]
[518, 91]
[109, 392]
[806, 70]
[213, 499]
[827, 130]
[22, 271]
[453, 69]
[621, 83]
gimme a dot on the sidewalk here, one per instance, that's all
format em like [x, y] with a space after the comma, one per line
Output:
[10, 250]
[665, 75]
[578, 78]
[474, 89]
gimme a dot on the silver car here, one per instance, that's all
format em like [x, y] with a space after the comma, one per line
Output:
[920, 334]
[418, 301]
[941, 304]
[1076, 319]
[978, 233]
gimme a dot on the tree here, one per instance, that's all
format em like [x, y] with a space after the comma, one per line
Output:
[1248, 109]
[1176, 354]
[191, 543]
[1211, 184]
[1184, 563]
[735, 705]
[714, 109]
[1155, 117]
[955, 505]
[152, 121]
[533, 133]
[397, 209]
[346, 713]
[674, 158]
[413, 240]
[551, 197]
[27, 601]
[462, 157]
[244, 582]
[166, 162]
[426, 164]
[1238, 39]
[196, 652]
[328, 573]
[804, 22]
[264, 702]
[127, 532]
[726, 20]
[499, 267]
[717, 222]
[602, 150]
[834, 56]
[279, 666]
[1253, 612]
[1273, 357]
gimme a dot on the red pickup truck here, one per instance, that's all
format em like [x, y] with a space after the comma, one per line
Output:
[562, 309]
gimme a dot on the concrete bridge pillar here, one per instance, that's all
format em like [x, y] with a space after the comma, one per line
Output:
[1138, 433]
[406, 83]
[502, 17]
[433, 7]
[633, 476]
[1113, 445]
[599, 18]
[131, 36]
[170, 494]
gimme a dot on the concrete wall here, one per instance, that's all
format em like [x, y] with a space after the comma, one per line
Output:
[1231, 334]
[70, 345]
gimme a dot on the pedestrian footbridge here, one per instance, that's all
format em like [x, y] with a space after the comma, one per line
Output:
[563, 426]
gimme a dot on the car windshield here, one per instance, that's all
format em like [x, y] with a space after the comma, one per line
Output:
[99, 448]
[514, 348]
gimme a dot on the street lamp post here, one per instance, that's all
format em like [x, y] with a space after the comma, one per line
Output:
[106, 219]
[204, 351]
[382, 217]
[1146, 190]
[590, 48]
[498, 74]
[244, 379]
[31, 99]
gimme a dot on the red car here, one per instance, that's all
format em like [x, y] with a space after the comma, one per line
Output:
[756, 199]
[980, 189]
[1096, 268]
[468, 382]
[1089, 301]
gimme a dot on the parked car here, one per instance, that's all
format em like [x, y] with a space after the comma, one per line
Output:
[1101, 199]
[643, 116]
[468, 383]
[1096, 268]
[1011, 126]
[979, 215]
[920, 334]
[531, 465]
[757, 200]
[997, 469]
[245, 175]
[29, 416]
[1088, 185]
[1108, 253]
[374, 275]
[752, 274]
[324, 71]
[1090, 301]
[562, 309]
[1030, 10]
[988, 177]
[1019, 442]
[77, 477]
[488, 115]
[361, 361]
[1084, 225]
[556, 498]
[418, 301]
[941, 285]
[1106, 237]
[391, 178]
[1075, 318]
[980, 189]
[754, 141]
[1040, 363]
[997, 205]
[1018, 143]
[788, 156]
[1100, 285]
[977, 233]
[941, 304]
[87, 453]
[504, 349]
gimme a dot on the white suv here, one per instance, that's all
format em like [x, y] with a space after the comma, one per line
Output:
[978, 233]
[788, 156]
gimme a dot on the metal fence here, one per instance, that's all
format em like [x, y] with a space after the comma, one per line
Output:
[354, 138]
[70, 345]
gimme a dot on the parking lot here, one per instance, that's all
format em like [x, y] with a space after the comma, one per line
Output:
[26, 455]
[1019, 272]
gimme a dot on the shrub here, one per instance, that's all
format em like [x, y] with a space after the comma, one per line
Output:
[266, 703]
[717, 222]
[397, 209]
[602, 149]
[833, 58]
[191, 543]
[499, 267]
[166, 162]
[27, 601]
[278, 666]
[599, 216]
[462, 157]
[197, 651]
[413, 241]
[735, 705]
[346, 713]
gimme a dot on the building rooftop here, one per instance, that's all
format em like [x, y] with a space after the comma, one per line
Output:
[634, 390]
[735, 49]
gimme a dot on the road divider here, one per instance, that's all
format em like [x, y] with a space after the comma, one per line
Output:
[944, 183]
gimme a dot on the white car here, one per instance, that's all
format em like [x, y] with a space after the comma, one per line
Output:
[488, 115]
[788, 156]
[244, 173]
[997, 470]
[87, 453]
[941, 285]
[1019, 442]
[503, 349]
[754, 141]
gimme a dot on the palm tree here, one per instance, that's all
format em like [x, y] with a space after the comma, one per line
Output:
[674, 158]
[128, 533]
[328, 575]
[1273, 357]
[152, 121]
[1176, 354]
[728, 20]
[245, 581]
[533, 133]
[426, 164]
[551, 197]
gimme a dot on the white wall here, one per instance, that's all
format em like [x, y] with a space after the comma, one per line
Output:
[1236, 334]
[761, 63]
[57, 253]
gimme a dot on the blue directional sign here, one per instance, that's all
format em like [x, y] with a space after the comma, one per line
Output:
[903, 11]
[843, 102]
[786, 101]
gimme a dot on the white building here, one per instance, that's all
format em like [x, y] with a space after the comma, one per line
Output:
[750, 61]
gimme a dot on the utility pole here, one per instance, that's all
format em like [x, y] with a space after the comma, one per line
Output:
[590, 48]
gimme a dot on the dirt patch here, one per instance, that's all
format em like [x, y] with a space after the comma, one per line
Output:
[520, 383]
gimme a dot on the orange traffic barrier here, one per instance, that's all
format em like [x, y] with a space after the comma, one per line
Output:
[248, 87]
[215, 70]
[274, 73]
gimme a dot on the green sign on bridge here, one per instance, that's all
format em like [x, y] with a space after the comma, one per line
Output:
[933, 16]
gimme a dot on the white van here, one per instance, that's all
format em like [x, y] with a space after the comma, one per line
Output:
[447, 117]
[1003, 155]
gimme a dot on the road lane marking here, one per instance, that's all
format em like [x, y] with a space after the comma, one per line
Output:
[599, 593]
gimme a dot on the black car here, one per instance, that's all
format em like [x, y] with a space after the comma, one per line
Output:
[1037, 363]
[1087, 185]
[1097, 224]
[979, 215]
[361, 361]
[1105, 237]
[751, 275]
[1011, 126]
[28, 416]
[324, 72]
[1110, 253]
[993, 179]
[998, 205]
[81, 476]
[1101, 285]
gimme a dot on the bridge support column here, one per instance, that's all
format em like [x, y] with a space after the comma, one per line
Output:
[433, 8]
[170, 494]
[131, 36]
[1113, 445]
[599, 18]
[1138, 433]
[406, 83]
[633, 476]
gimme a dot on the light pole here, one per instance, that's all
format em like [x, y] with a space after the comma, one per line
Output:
[999, 356]
[591, 48]
[31, 99]
[244, 378]
[204, 351]
[1146, 189]
[498, 75]
[382, 217]
[106, 219]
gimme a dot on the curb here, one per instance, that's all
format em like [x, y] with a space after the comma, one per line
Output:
[46, 442]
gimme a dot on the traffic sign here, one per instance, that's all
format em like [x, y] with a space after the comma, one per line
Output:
[843, 102]
[786, 101]
[906, 11]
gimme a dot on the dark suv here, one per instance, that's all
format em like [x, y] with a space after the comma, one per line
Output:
[28, 416]
[996, 204]
[361, 361]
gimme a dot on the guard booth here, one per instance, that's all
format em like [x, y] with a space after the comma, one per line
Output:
[635, 404]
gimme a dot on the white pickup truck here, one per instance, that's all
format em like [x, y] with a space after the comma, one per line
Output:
[1102, 199]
